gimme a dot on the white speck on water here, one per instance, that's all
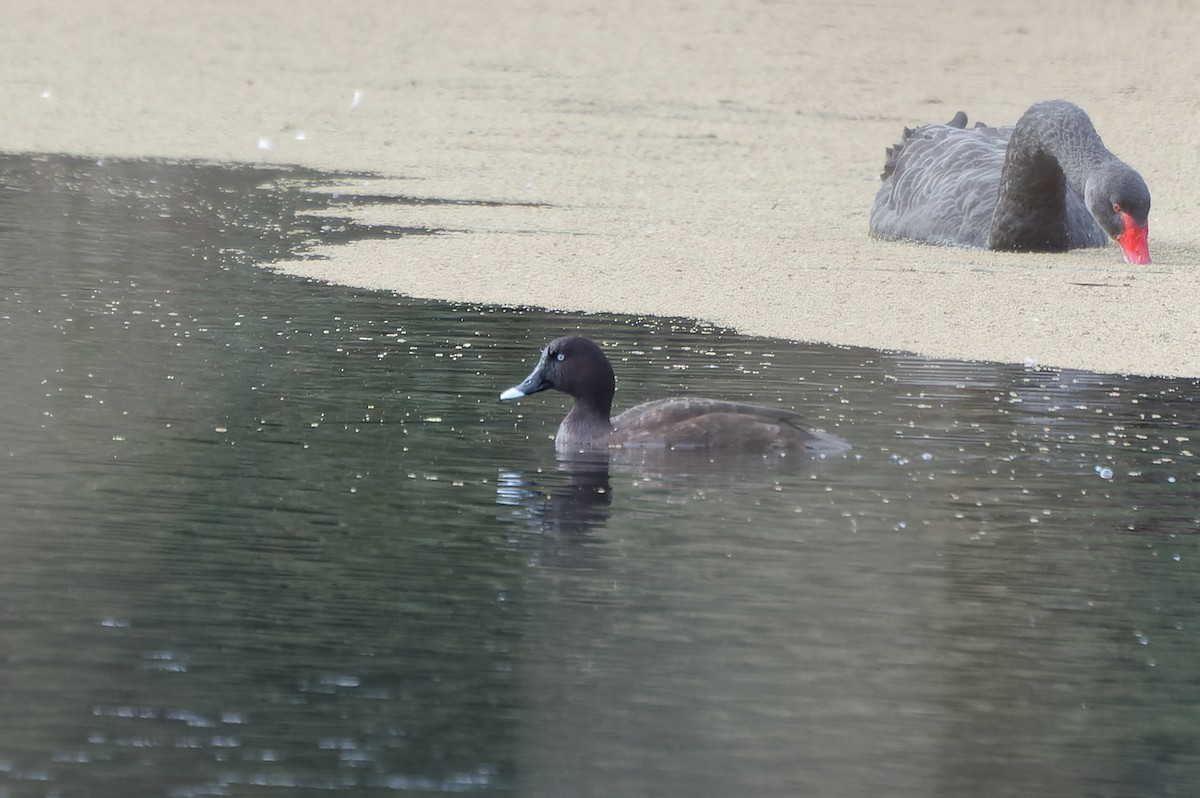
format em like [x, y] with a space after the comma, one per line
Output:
[46, 95]
[336, 744]
[301, 136]
[357, 99]
[74, 757]
[164, 661]
[192, 719]
[264, 142]
[1104, 472]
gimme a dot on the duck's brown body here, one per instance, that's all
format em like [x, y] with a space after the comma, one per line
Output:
[693, 423]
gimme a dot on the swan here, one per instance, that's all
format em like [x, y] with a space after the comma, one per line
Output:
[1047, 184]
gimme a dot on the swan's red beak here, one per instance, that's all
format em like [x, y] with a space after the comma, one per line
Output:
[1135, 241]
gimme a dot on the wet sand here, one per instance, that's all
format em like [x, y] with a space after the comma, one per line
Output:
[714, 160]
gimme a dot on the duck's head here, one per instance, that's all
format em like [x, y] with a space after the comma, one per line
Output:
[574, 365]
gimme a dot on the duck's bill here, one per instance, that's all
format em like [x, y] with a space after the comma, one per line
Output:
[533, 383]
[1135, 243]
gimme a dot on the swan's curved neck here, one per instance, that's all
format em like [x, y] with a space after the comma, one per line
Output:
[1053, 146]
[1067, 132]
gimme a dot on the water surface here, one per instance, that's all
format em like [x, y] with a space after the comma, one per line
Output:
[267, 537]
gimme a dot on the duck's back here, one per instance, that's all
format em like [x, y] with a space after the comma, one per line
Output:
[691, 423]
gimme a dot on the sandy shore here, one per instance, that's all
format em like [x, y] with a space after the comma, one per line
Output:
[706, 159]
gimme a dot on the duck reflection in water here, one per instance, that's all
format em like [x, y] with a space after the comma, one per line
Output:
[569, 508]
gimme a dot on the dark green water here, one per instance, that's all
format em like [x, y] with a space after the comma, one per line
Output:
[265, 537]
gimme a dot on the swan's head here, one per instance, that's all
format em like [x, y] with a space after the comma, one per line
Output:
[1120, 202]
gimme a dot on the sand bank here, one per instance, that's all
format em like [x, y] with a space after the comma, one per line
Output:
[706, 159]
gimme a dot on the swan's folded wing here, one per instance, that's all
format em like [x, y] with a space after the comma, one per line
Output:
[940, 185]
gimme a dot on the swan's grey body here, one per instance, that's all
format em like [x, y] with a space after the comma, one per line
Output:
[1046, 185]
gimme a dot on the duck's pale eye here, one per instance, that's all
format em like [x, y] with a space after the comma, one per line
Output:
[560, 357]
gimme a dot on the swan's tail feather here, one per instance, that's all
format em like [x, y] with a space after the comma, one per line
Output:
[894, 153]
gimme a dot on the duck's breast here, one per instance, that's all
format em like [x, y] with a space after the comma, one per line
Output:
[940, 185]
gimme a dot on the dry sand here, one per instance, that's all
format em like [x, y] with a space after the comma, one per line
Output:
[711, 159]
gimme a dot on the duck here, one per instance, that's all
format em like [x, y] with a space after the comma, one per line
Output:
[578, 367]
[1047, 184]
